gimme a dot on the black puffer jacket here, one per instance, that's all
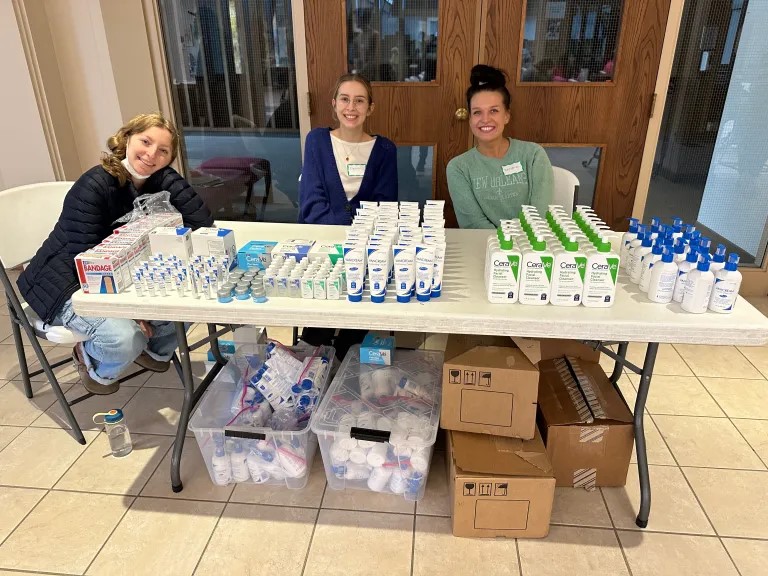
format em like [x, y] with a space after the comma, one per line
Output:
[90, 209]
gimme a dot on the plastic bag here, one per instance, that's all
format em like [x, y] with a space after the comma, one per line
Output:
[149, 204]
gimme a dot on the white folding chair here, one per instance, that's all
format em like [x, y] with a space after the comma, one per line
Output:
[27, 216]
[566, 188]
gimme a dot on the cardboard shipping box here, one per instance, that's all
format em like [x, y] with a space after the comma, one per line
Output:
[587, 426]
[489, 387]
[499, 486]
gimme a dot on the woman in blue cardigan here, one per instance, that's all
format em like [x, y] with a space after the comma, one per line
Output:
[342, 167]
[346, 165]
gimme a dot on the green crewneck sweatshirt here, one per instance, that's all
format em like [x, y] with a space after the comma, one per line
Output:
[485, 190]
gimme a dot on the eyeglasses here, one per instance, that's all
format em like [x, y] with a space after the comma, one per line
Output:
[358, 102]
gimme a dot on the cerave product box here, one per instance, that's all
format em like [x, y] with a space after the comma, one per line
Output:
[167, 241]
[298, 249]
[489, 387]
[256, 254]
[214, 242]
[324, 251]
[587, 426]
[101, 273]
[377, 349]
[499, 486]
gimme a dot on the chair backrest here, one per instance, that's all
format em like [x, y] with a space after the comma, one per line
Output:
[566, 188]
[27, 216]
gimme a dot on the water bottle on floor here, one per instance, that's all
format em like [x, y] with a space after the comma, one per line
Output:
[117, 431]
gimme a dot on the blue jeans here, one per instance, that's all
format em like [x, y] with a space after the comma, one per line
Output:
[114, 343]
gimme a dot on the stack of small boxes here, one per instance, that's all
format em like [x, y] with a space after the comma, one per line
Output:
[502, 467]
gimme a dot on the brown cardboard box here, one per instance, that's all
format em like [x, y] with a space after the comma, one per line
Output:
[499, 486]
[489, 387]
[587, 426]
[538, 349]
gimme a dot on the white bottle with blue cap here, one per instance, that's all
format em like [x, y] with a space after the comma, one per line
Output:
[718, 259]
[698, 287]
[240, 472]
[661, 286]
[628, 236]
[117, 431]
[647, 263]
[636, 258]
[677, 228]
[726, 288]
[221, 466]
[680, 249]
[684, 268]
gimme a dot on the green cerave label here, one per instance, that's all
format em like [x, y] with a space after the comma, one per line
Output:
[547, 263]
[581, 266]
[613, 266]
[514, 264]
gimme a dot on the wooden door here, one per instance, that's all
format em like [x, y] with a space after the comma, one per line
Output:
[408, 113]
[612, 115]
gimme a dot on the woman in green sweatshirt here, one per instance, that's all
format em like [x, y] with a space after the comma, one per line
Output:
[491, 181]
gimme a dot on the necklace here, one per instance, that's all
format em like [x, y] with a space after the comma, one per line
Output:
[347, 153]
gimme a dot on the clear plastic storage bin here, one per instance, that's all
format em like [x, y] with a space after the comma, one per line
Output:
[240, 444]
[377, 425]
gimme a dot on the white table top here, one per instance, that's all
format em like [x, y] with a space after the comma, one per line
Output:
[462, 308]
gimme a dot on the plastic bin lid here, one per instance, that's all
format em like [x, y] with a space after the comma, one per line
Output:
[398, 403]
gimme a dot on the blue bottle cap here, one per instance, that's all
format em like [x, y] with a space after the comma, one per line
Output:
[404, 299]
[733, 261]
[719, 253]
[355, 297]
[667, 256]
[422, 297]
[658, 248]
[633, 225]
[296, 388]
[703, 264]
[692, 256]
[436, 292]
[113, 416]
[378, 299]
[679, 246]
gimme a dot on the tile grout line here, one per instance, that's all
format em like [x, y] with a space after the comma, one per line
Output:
[157, 467]
[623, 552]
[210, 537]
[413, 542]
[111, 533]
[312, 536]
[4, 540]
[750, 361]
[519, 561]
[728, 553]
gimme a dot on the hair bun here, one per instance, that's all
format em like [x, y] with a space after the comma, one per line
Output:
[484, 75]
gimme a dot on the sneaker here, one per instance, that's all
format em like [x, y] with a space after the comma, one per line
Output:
[85, 378]
[146, 361]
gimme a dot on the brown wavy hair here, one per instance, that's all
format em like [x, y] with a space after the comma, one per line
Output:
[118, 142]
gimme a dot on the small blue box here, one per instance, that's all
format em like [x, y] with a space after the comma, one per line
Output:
[377, 349]
[256, 254]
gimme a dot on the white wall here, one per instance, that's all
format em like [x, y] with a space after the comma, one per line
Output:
[24, 157]
[77, 30]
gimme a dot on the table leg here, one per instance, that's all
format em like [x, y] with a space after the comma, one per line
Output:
[186, 407]
[642, 456]
[619, 365]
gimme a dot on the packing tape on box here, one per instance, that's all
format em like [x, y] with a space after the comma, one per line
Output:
[586, 387]
[578, 399]
[592, 434]
[585, 478]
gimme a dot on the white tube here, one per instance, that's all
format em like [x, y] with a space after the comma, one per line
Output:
[425, 264]
[378, 271]
[354, 264]
[404, 258]
[437, 273]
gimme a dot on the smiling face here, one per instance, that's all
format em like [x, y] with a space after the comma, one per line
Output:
[352, 105]
[149, 151]
[488, 116]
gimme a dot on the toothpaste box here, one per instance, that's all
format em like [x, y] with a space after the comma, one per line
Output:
[101, 273]
[218, 242]
[377, 349]
[256, 254]
[168, 241]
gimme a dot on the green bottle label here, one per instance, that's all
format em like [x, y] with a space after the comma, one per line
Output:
[613, 266]
[514, 264]
[547, 262]
[581, 266]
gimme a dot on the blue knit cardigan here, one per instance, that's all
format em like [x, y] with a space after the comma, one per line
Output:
[322, 199]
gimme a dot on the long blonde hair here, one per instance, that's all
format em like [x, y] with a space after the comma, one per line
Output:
[117, 143]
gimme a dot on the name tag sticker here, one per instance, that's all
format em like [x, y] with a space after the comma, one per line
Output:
[510, 169]
[355, 169]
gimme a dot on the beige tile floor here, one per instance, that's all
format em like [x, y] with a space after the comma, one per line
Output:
[71, 509]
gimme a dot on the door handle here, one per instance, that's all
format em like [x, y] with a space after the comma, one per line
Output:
[461, 114]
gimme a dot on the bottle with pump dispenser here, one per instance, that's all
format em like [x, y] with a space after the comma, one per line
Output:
[698, 287]
[647, 264]
[684, 268]
[503, 276]
[661, 286]
[536, 274]
[636, 258]
[600, 277]
[628, 236]
[726, 288]
[679, 250]
[718, 259]
[568, 275]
